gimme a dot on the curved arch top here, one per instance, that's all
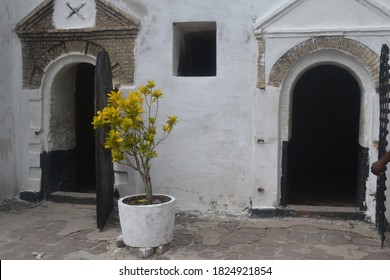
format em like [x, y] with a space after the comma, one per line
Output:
[327, 57]
[367, 57]
[87, 48]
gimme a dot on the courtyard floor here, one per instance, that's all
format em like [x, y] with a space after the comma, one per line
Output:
[64, 231]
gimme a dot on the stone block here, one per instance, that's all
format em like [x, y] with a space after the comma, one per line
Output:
[119, 242]
[325, 42]
[141, 252]
[162, 249]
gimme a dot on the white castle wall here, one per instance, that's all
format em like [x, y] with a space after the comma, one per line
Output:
[227, 143]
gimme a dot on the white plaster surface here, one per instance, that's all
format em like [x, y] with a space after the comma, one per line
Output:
[8, 146]
[84, 13]
[213, 160]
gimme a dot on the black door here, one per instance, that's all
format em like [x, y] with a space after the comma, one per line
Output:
[104, 166]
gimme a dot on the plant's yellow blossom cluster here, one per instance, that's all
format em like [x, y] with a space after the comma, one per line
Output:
[133, 120]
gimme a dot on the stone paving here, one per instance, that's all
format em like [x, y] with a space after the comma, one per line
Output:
[68, 231]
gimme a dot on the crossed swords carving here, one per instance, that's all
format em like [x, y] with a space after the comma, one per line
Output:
[75, 10]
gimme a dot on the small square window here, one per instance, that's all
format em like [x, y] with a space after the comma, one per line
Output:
[195, 49]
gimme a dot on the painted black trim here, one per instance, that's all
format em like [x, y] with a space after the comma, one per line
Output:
[58, 172]
[284, 176]
[31, 196]
[363, 173]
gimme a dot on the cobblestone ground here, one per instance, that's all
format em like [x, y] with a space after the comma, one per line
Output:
[50, 230]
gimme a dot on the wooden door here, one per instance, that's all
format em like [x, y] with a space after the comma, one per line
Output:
[104, 166]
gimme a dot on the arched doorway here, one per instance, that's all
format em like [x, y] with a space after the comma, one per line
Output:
[324, 147]
[68, 160]
[72, 85]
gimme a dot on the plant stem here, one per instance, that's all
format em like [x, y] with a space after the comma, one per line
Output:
[148, 188]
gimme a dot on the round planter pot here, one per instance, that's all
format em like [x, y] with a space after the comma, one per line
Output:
[147, 226]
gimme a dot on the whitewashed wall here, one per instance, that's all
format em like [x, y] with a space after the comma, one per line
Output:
[366, 22]
[209, 161]
[213, 160]
[8, 148]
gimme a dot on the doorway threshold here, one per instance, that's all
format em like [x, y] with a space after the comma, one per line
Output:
[316, 208]
[73, 198]
[309, 211]
[349, 213]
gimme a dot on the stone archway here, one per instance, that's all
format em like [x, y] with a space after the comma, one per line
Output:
[363, 54]
[34, 72]
[67, 110]
[115, 31]
[367, 84]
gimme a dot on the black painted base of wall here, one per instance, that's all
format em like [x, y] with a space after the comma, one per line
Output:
[60, 197]
[58, 175]
[58, 171]
[31, 196]
[283, 212]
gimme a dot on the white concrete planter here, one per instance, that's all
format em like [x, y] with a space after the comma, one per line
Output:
[147, 226]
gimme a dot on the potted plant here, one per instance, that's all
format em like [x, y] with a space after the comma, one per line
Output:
[147, 220]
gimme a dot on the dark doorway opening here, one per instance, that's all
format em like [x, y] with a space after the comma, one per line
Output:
[85, 135]
[323, 150]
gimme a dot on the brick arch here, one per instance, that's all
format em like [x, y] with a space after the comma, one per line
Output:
[367, 57]
[61, 49]
[114, 30]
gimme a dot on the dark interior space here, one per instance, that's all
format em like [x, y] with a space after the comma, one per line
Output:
[323, 149]
[85, 134]
[198, 54]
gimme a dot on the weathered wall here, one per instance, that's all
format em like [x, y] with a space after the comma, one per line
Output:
[359, 29]
[227, 144]
[208, 161]
[8, 152]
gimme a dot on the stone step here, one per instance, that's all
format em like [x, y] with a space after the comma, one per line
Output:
[73, 198]
[347, 213]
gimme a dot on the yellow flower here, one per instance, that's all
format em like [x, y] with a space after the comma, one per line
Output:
[151, 136]
[138, 118]
[142, 90]
[110, 114]
[117, 155]
[157, 93]
[132, 121]
[98, 120]
[126, 123]
[115, 96]
[113, 139]
[172, 120]
[166, 128]
[150, 84]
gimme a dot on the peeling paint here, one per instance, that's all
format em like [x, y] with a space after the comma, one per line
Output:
[215, 160]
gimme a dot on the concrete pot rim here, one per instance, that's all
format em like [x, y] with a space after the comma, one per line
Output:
[172, 200]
